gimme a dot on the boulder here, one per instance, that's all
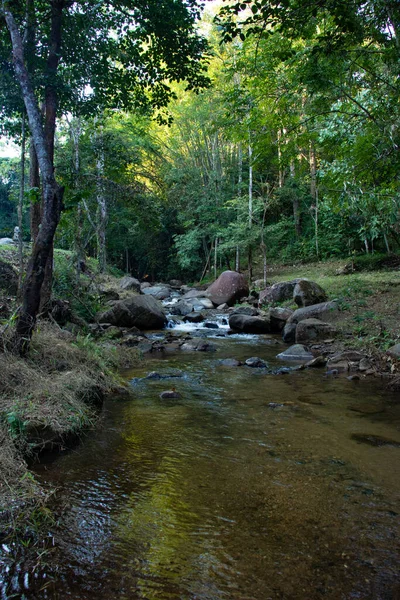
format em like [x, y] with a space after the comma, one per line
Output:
[246, 310]
[194, 293]
[223, 306]
[229, 287]
[194, 317]
[311, 330]
[144, 285]
[259, 284]
[175, 283]
[181, 308]
[204, 303]
[211, 325]
[161, 293]
[289, 333]
[307, 293]
[297, 352]
[130, 283]
[6, 241]
[247, 324]
[8, 279]
[394, 351]
[143, 312]
[278, 317]
[278, 292]
[255, 362]
[323, 309]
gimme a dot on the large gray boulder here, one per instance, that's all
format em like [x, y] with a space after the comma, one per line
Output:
[321, 310]
[194, 293]
[297, 352]
[229, 287]
[246, 324]
[159, 292]
[278, 292]
[8, 279]
[130, 283]
[307, 293]
[6, 241]
[278, 317]
[312, 330]
[181, 308]
[143, 312]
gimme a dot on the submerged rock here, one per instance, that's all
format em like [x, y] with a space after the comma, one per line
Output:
[255, 362]
[170, 375]
[374, 440]
[296, 352]
[230, 362]
[170, 394]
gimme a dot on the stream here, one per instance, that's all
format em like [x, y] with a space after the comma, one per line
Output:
[255, 484]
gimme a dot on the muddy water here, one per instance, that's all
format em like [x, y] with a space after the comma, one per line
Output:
[251, 486]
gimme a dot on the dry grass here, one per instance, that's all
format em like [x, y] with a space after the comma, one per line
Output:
[44, 399]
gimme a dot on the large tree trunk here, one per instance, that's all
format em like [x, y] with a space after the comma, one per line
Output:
[34, 182]
[101, 206]
[20, 209]
[52, 193]
[51, 104]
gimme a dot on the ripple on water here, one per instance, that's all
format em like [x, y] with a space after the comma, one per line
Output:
[217, 496]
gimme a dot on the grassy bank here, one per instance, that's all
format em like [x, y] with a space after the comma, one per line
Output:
[369, 299]
[47, 400]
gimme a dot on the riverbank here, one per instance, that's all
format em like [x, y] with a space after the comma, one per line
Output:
[48, 401]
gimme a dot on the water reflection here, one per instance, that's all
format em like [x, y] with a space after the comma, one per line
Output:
[248, 487]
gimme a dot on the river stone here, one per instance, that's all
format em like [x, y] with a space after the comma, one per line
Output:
[130, 283]
[307, 293]
[223, 306]
[144, 285]
[194, 293]
[143, 312]
[246, 310]
[170, 394]
[255, 362]
[246, 324]
[278, 317]
[319, 361]
[161, 293]
[374, 440]
[211, 325]
[8, 279]
[296, 352]
[313, 330]
[230, 362]
[289, 333]
[181, 308]
[175, 283]
[323, 309]
[278, 292]
[394, 351]
[228, 288]
[194, 317]
[204, 303]
[198, 346]
[167, 375]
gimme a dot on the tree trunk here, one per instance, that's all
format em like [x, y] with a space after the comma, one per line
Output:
[101, 207]
[34, 182]
[314, 194]
[51, 105]
[296, 208]
[52, 196]
[250, 253]
[240, 181]
[20, 209]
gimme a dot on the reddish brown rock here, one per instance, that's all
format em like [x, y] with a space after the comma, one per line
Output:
[229, 287]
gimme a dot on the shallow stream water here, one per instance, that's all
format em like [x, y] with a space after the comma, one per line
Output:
[251, 486]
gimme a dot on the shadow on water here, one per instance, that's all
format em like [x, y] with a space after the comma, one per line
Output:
[249, 486]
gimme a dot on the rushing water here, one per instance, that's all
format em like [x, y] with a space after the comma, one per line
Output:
[251, 486]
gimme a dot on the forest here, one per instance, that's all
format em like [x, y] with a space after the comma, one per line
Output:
[199, 299]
